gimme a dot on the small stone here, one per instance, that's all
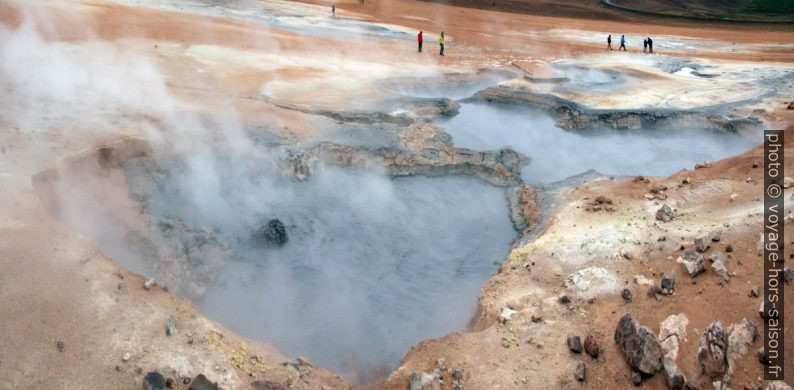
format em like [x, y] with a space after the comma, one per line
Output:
[721, 271]
[754, 292]
[717, 256]
[626, 294]
[693, 263]
[148, 284]
[639, 346]
[59, 344]
[591, 346]
[734, 196]
[154, 381]
[536, 317]
[126, 357]
[564, 299]
[170, 327]
[457, 374]
[170, 383]
[686, 180]
[506, 314]
[575, 344]
[702, 243]
[665, 213]
[729, 248]
[636, 378]
[761, 354]
[668, 283]
[581, 372]
[200, 382]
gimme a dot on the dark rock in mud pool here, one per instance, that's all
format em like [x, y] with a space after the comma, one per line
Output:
[154, 381]
[273, 234]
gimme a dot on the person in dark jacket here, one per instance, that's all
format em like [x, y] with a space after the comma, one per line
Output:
[419, 40]
[644, 45]
[650, 45]
[609, 42]
[622, 43]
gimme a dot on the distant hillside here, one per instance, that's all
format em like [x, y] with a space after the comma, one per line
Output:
[746, 10]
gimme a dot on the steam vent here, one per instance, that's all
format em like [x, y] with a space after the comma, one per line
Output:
[323, 194]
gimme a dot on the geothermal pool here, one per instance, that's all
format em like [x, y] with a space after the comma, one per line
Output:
[558, 154]
[373, 265]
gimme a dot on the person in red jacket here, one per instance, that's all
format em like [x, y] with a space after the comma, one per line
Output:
[419, 39]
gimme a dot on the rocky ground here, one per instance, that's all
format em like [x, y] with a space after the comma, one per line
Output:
[589, 277]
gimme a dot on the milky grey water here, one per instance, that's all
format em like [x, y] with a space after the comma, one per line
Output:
[557, 154]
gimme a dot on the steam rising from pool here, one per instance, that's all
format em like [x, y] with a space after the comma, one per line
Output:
[372, 265]
[558, 154]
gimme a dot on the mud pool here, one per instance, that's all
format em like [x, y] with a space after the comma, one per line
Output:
[558, 154]
[373, 265]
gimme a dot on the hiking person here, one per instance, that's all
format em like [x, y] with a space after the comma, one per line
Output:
[622, 43]
[644, 45]
[650, 45]
[609, 42]
[333, 9]
[441, 42]
[419, 40]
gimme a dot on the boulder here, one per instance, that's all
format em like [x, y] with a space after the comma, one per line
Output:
[740, 337]
[717, 256]
[640, 347]
[693, 263]
[672, 375]
[712, 350]
[672, 332]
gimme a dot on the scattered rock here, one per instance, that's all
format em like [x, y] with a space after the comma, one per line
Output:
[154, 381]
[200, 382]
[717, 256]
[424, 381]
[668, 284]
[788, 275]
[591, 346]
[457, 374]
[691, 385]
[693, 263]
[506, 314]
[754, 292]
[702, 243]
[575, 344]
[642, 280]
[170, 327]
[126, 357]
[702, 165]
[734, 196]
[564, 298]
[712, 350]
[626, 294]
[148, 284]
[636, 378]
[740, 337]
[729, 248]
[672, 375]
[536, 317]
[721, 271]
[762, 357]
[640, 347]
[170, 383]
[581, 372]
[672, 332]
[665, 213]
[687, 180]
[60, 345]
[716, 238]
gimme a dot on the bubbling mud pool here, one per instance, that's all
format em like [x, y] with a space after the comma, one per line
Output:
[558, 154]
[372, 265]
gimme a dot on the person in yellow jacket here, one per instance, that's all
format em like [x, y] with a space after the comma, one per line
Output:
[441, 41]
